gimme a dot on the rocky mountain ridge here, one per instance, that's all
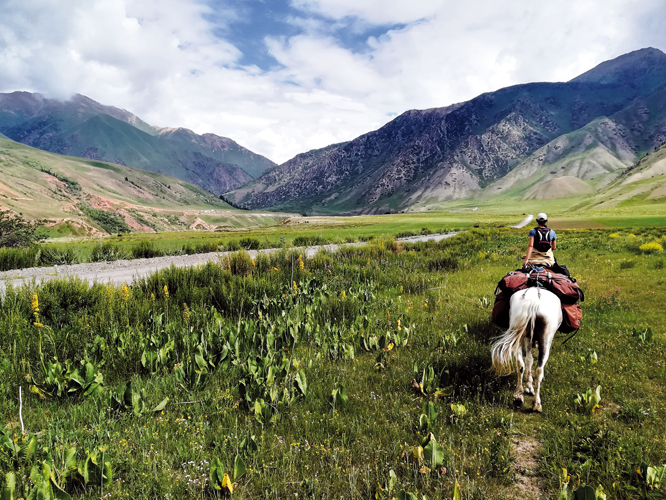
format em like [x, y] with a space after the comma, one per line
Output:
[429, 156]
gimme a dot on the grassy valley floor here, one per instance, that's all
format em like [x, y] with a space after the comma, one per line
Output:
[300, 377]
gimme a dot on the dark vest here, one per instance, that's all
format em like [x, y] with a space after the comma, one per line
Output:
[542, 240]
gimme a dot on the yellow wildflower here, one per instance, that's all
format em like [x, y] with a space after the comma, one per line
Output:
[166, 292]
[186, 312]
[343, 294]
[35, 303]
[125, 292]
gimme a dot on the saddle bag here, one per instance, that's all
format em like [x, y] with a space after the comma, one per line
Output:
[513, 282]
[571, 316]
[565, 288]
[501, 310]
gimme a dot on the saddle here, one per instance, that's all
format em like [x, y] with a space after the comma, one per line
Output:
[564, 287]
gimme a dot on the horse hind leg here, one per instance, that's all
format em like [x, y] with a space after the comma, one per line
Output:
[544, 352]
[529, 388]
[518, 398]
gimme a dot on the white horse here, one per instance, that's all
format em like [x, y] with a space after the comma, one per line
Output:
[535, 315]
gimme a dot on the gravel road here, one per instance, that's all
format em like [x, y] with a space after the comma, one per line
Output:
[128, 271]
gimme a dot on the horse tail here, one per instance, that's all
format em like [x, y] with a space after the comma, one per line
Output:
[504, 347]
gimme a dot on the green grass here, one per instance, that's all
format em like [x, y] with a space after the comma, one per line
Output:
[208, 330]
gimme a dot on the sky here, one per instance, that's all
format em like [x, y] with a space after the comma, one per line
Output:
[282, 77]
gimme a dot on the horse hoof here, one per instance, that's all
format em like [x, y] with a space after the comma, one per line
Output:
[529, 392]
[537, 408]
[518, 402]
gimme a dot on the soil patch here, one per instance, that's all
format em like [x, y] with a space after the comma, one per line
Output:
[525, 465]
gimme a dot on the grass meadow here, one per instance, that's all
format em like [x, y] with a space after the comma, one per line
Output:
[302, 232]
[357, 374]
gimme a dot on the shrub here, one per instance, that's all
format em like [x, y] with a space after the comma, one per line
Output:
[238, 263]
[443, 262]
[406, 234]
[107, 251]
[146, 250]
[627, 264]
[16, 232]
[652, 247]
[201, 247]
[110, 222]
[15, 258]
[49, 256]
[310, 240]
[232, 246]
[250, 243]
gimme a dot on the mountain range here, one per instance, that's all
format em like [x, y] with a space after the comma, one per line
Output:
[535, 140]
[530, 141]
[85, 128]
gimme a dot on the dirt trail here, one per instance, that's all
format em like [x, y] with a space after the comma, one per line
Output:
[526, 451]
[524, 222]
[129, 271]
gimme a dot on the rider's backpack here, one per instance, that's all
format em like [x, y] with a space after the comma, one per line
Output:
[542, 241]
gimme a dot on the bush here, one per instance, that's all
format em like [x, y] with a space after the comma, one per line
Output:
[110, 222]
[107, 251]
[146, 250]
[49, 256]
[627, 264]
[16, 232]
[250, 243]
[239, 263]
[443, 262]
[201, 247]
[652, 247]
[310, 240]
[15, 258]
[232, 246]
[406, 234]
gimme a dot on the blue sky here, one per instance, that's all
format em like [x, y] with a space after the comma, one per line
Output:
[248, 23]
[286, 76]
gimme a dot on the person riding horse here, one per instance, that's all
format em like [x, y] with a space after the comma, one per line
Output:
[542, 242]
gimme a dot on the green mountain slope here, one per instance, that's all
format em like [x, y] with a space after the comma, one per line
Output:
[76, 195]
[576, 163]
[644, 182]
[82, 127]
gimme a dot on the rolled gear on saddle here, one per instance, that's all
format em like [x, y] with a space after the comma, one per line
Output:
[546, 258]
[564, 287]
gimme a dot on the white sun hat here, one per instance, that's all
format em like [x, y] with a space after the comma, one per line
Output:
[542, 217]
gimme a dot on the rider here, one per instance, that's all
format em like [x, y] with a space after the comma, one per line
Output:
[542, 242]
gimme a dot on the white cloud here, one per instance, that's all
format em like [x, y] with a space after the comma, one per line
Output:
[161, 60]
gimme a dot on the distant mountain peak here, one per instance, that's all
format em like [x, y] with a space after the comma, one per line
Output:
[648, 65]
